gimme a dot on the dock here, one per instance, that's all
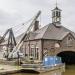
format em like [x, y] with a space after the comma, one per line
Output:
[42, 69]
[10, 69]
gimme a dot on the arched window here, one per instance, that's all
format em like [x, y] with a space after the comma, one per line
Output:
[57, 13]
[69, 41]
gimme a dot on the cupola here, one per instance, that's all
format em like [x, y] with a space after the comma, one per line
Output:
[56, 16]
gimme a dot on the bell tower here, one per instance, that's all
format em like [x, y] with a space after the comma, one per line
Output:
[56, 15]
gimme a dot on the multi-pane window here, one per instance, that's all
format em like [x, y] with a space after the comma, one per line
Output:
[37, 53]
[34, 52]
[69, 41]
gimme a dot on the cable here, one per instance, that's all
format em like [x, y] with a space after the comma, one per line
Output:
[23, 23]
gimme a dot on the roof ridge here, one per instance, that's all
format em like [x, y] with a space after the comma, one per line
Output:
[46, 29]
[41, 28]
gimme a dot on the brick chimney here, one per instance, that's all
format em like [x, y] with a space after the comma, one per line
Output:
[36, 25]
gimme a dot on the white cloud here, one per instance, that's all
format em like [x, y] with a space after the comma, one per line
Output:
[13, 12]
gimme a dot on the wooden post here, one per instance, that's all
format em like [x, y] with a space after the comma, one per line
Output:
[18, 58]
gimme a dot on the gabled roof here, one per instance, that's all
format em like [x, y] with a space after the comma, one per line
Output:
[56, 8]
[50, 31]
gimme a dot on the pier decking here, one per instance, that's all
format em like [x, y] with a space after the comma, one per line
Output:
[41, 69]
[10, 69]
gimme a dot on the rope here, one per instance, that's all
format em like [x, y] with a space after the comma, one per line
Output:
[22, 26]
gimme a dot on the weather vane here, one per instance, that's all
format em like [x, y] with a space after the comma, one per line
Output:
[56, 3]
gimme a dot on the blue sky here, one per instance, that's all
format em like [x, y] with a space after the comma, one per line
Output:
[14, 12]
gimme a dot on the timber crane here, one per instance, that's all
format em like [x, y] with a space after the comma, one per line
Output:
[11, 42]
[19, 44]
[10, 38]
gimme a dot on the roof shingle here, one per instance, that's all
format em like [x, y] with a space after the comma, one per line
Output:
[50, 31]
